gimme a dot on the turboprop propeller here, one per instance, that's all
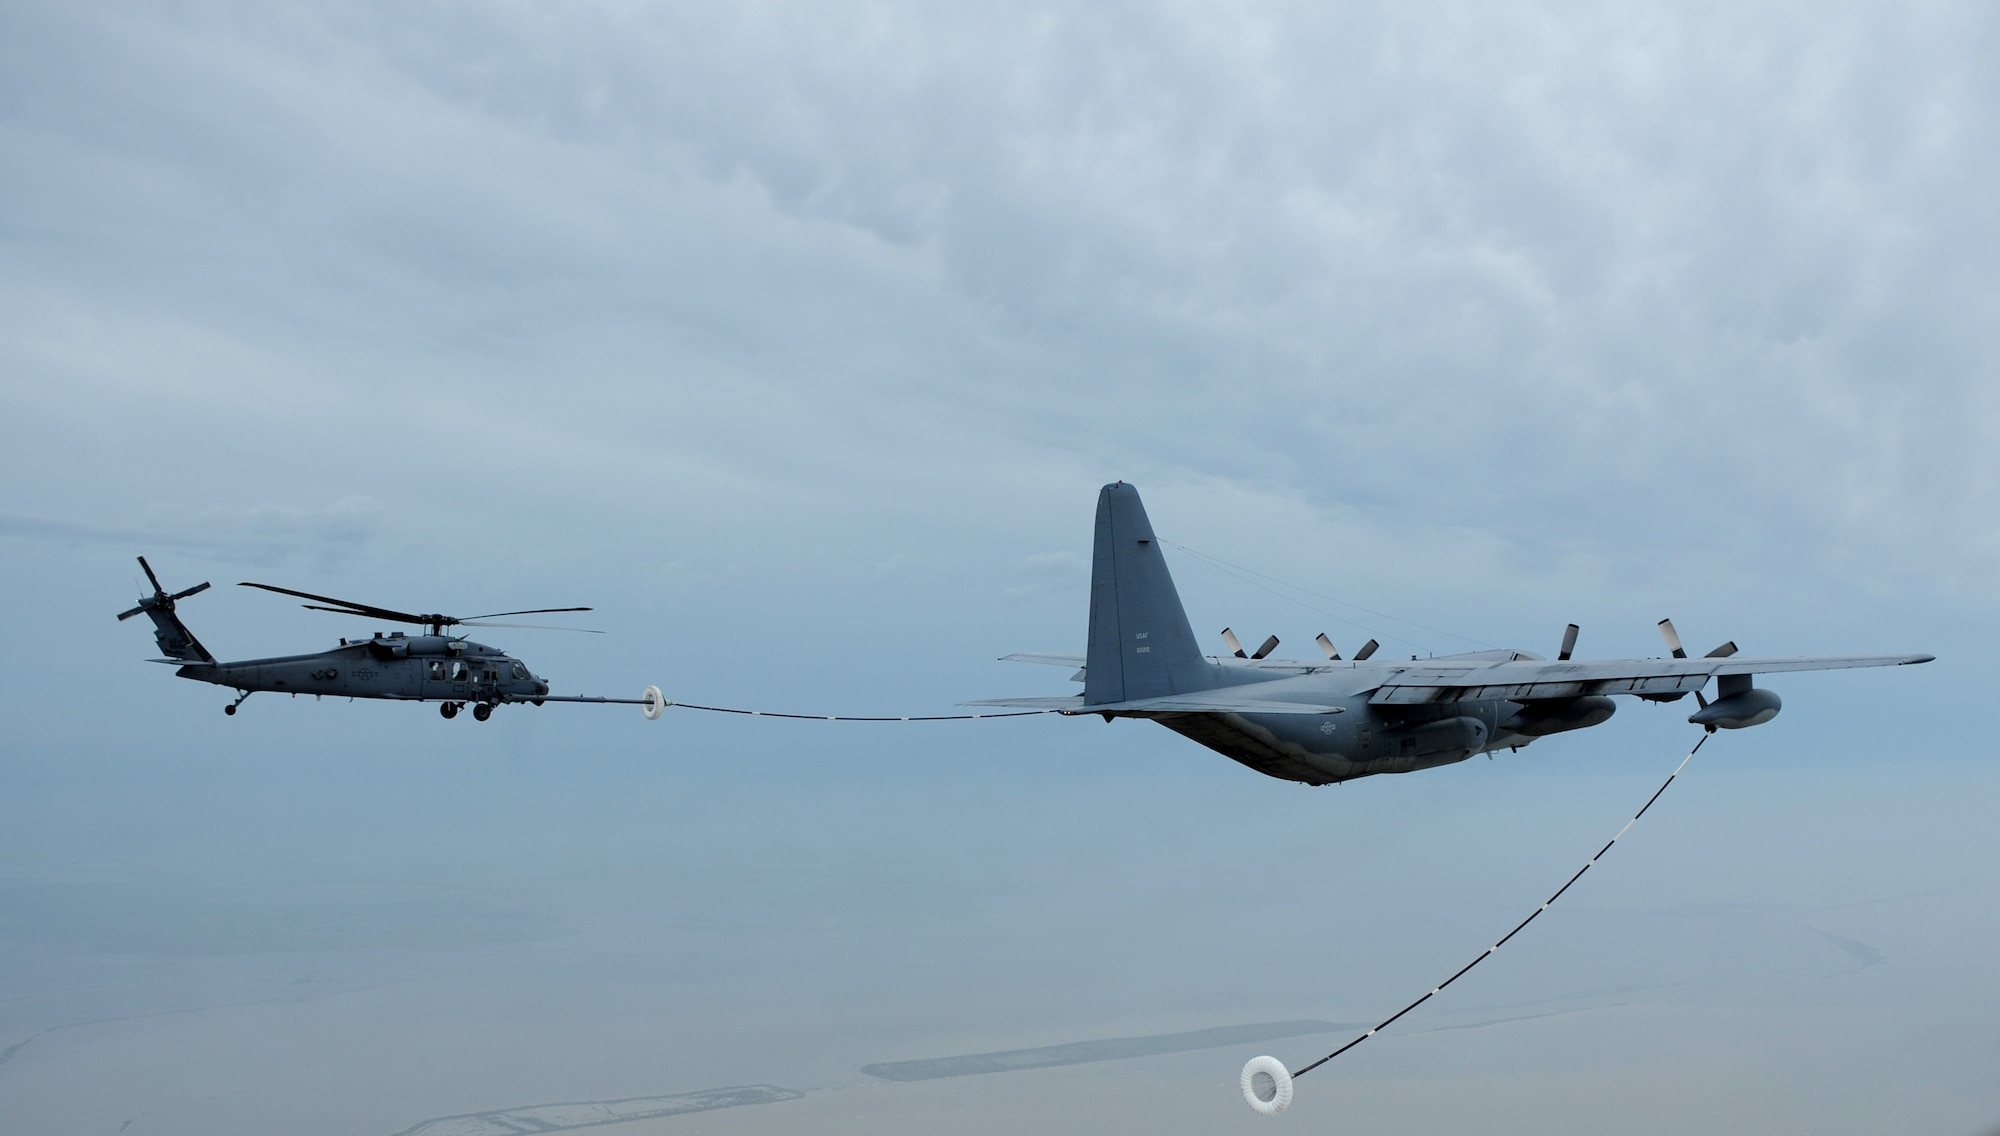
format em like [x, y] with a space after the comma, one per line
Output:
[1236, 648]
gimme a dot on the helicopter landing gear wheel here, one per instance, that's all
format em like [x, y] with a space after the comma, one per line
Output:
[230, 709]
[483, 711]
[448, 709]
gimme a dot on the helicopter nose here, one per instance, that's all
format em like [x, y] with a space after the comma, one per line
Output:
[541, 688]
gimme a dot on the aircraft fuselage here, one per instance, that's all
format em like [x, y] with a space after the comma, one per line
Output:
[1353, 737]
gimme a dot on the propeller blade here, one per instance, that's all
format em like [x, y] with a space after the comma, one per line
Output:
[201, 587]
[1366, 650]
[347, 607]
[1235, 648]
[148, 569]
[529, 611]
[527, 626]
[1269, 646]
[1722, 652]
[1673, 639]
[124, 615]
[1326, 647]
[1569, 643]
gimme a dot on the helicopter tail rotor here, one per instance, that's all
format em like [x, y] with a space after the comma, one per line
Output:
[175, 640]
[160, 598]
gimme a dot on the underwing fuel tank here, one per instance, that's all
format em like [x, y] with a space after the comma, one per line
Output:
[1752, 707]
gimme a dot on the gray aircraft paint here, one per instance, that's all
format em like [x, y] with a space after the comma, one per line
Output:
[1320, 723]
[449, 670]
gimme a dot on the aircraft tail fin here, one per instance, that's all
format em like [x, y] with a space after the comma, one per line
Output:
[1140, 643]
[175, 640]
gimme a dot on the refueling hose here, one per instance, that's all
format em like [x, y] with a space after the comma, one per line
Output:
[1267, 1087]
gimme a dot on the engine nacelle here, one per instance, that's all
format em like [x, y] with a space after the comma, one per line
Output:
[1752, 707]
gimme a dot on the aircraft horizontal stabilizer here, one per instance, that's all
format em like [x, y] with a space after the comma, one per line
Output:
[1065, 704]
[1044, 659]
[1204, 702]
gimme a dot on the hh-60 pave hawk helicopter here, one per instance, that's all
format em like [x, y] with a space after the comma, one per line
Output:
[1322, 722]
[447, 669]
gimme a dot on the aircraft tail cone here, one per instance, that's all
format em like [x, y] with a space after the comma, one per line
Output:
[1267, 1086]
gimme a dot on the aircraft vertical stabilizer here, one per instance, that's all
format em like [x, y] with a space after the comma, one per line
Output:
[1140, 643]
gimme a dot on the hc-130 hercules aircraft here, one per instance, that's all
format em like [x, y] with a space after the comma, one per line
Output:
[1345, 718]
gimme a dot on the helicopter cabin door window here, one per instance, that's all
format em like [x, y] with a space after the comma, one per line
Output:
[437, 670]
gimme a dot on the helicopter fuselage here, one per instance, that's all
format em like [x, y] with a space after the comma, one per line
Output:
[416, 668]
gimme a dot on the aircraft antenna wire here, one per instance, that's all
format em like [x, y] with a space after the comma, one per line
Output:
[1532, 916]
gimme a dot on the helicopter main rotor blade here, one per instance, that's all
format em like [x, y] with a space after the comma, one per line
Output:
[527, 626]
[148, 569]
[391, 617]
[347, 607]
[529, 611]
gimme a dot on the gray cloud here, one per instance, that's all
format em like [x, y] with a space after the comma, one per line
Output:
[1721, 271]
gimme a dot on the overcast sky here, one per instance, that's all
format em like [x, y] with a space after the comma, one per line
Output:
[797, 341]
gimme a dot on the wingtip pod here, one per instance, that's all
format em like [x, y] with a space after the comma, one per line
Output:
[1750, 706]
[1267, 1086]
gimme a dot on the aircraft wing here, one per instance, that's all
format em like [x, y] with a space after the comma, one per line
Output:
[1526, 679]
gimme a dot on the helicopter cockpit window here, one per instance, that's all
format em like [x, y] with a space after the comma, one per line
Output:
[520, 670]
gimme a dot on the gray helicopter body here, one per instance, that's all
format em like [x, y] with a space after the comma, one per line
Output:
[1334, 720]
[450, 670]
[418, 668]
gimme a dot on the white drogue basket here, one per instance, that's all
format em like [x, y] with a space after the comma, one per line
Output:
[1267, 1086]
